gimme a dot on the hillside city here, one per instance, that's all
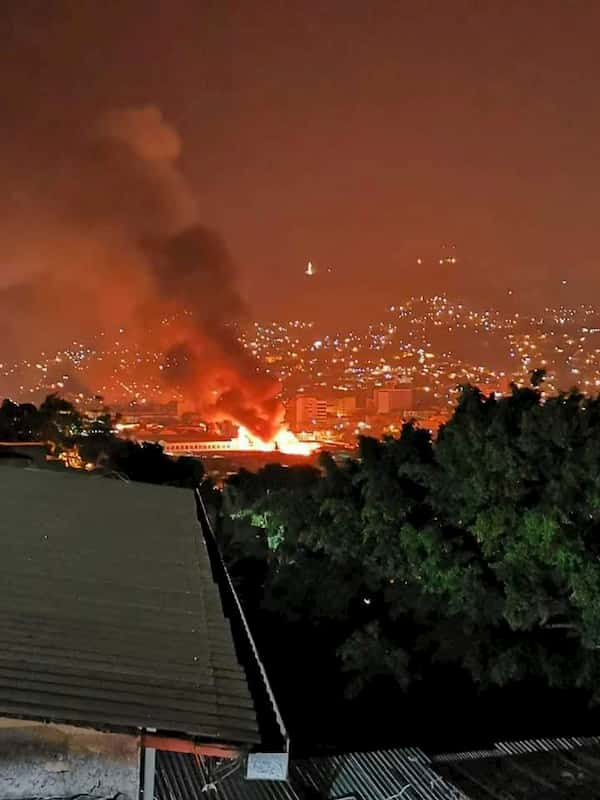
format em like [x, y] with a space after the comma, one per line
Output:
[299, 401]
[407, 365]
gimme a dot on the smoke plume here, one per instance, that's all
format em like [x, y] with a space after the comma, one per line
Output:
[112, 238]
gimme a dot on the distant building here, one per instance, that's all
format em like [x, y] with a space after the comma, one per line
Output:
[398, 398]
[310, 411]
[189, 446]
[147, 412]
[341, 406]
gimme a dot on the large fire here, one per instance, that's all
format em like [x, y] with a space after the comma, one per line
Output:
[122, 210]
[284, 441]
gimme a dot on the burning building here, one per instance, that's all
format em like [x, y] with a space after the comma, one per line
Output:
[245, 442]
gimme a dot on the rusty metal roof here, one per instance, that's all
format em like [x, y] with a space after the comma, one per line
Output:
[109, 613]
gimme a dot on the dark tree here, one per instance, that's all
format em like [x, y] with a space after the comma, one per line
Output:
[479, 550]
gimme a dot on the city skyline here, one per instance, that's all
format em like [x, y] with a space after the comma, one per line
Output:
[440, 342]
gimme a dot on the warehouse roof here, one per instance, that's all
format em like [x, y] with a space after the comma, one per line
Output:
[109, 613]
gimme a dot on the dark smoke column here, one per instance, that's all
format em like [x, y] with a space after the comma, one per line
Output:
[206, 362]
[117, 242]
[193, 278]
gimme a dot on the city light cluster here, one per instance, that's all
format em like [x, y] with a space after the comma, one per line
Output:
[432, 345]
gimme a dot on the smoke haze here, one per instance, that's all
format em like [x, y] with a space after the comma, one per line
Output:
[113, 239]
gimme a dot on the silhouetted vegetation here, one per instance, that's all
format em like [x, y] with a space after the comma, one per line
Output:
[427, 569]
[59, 424]
[144, 461]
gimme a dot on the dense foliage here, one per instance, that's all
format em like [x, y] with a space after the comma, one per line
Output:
[478, 550]
[56, 420]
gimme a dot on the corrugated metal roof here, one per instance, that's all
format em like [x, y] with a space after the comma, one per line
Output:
[548, 774]
[536, 745]
[379, 775]
[376, 775]
[533, 768]
[552, 769]
[521, 746]
[184, 777]
[464, 756]
[273, 731]
[109, 614]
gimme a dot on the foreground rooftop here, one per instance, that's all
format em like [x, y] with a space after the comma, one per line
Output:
[109, 613]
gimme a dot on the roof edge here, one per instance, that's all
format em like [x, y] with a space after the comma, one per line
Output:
[243, 639]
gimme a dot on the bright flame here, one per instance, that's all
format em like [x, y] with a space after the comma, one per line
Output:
[284, 441]
[72, 459]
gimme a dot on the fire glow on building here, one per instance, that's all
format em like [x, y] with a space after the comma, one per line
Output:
[284, 442]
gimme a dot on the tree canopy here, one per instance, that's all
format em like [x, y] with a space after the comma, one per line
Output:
[477, 550]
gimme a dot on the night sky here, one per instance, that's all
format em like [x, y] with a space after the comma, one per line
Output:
[358, 135]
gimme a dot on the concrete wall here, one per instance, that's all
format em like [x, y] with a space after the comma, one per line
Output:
[52, 761]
